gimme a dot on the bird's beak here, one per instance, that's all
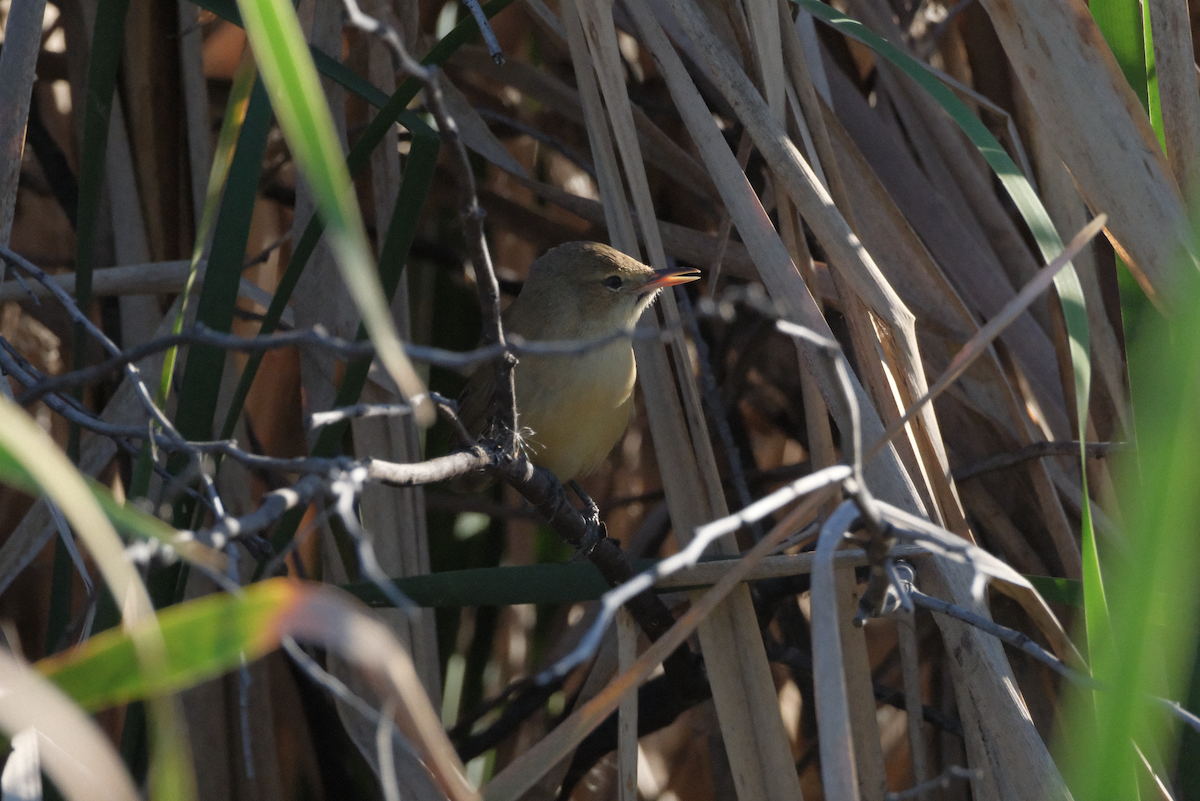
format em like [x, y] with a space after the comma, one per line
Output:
[666, 278]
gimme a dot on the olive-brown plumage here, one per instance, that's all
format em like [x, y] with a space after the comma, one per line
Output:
[572, 409]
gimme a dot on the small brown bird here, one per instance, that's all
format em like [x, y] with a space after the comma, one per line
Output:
[572, 409]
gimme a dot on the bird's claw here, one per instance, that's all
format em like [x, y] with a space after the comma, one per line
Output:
[590, 510]
[597, 531]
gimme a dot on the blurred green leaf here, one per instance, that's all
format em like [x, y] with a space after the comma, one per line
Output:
[503, 586]
[26, 444]
[291, 79]
[204, 638]
[1058, 590]
[125, 517]
[1153, 590]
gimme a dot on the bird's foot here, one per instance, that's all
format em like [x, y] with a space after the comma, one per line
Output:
[596, 529]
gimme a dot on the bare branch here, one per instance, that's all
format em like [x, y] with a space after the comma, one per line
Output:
[1014, 638]
[938, 782]
[1036, 450]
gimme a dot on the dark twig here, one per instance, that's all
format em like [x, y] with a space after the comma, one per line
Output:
[938, 782]
[1014, 638]
[272, 507]
[541, 136]
[131, 370]
[485, 28]
[1036, 450]
[317, 337]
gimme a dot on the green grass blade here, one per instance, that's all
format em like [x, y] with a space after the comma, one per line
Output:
[236, 112]
[392, 111]
[291, 79]
[1154, 594]
[26, 444]
[218, 298]
[204, 638]
[1122, 24]
[108, 40]
[1153, 102]
[231, 126]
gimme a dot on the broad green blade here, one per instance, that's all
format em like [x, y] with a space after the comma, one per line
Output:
[24, 443]
[204, 638]
[1154, 595]
[291, 79]
[108, 40]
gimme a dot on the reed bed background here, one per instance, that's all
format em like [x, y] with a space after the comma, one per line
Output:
[876, 179]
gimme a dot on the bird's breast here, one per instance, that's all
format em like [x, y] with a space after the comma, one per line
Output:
[575, 407]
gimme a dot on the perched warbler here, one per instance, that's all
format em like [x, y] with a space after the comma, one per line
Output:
[572, 408]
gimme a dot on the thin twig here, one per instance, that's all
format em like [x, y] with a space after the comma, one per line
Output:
[938, 782]
[1014, 638]
[704, 536]
[132, 373]
[1036, 450]
[317, 337]
[485, 28]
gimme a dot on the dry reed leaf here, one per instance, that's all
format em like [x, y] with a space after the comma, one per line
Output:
[1069, 213]
[96, 453]
[680, 242]
[157, 278]
[910, 666]
[1102, 133]
[396, 516]
[74, 752]
[1175, 70]
[738, 672]
[475, 132]
[774, 263]
[195, 105]
[321, 297]
[966, 260]
[659, 149]
[864, 722]
[839, 771]
[18, 62]
[1014, 758]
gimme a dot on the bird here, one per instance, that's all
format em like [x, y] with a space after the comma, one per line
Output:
[572, 409]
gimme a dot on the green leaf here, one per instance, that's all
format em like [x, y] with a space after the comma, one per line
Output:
[1121, 22]
[1058, 590]
[204, 638]
[108, 40]
[290, 76]
[1153, 590]
[26, 444]
[503, 586]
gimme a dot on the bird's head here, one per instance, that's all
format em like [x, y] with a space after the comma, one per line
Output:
[592, 289]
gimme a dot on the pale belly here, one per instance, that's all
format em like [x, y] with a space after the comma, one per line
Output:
[575, 408]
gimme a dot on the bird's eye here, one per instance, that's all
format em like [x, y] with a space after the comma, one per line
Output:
[613, 282]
